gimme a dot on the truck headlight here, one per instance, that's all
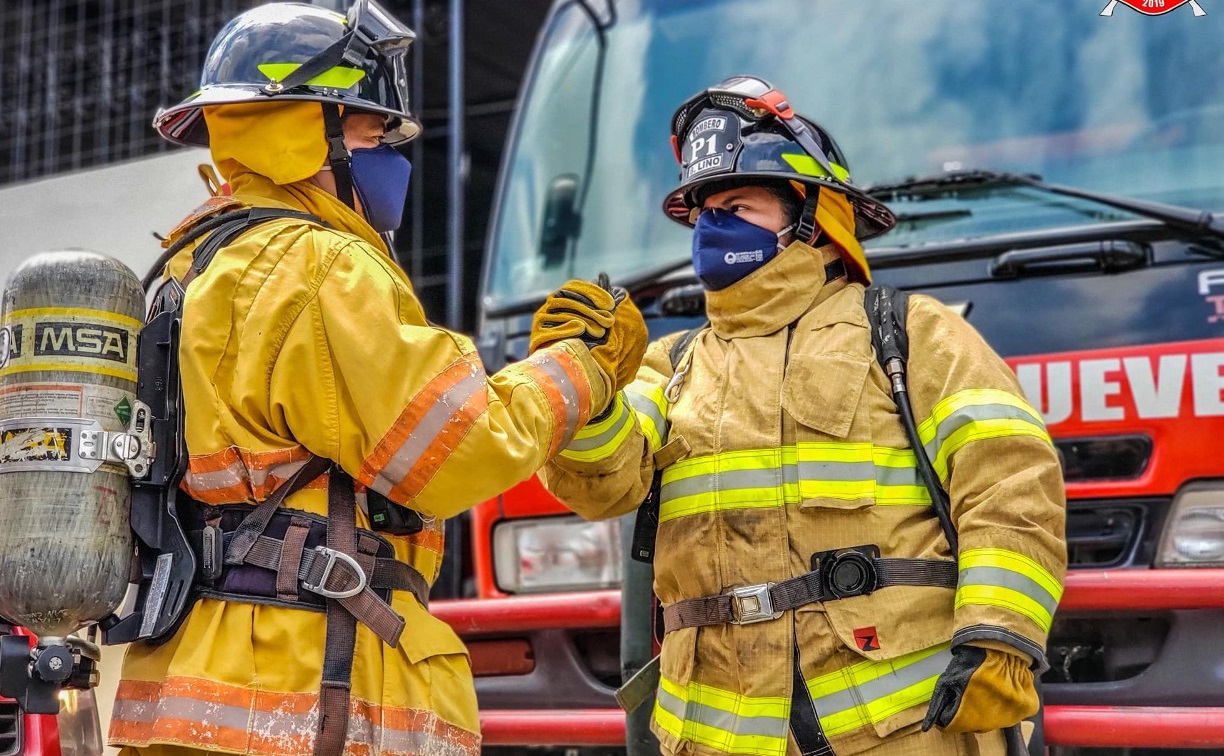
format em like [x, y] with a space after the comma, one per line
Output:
[1194, 531]
[556, 554]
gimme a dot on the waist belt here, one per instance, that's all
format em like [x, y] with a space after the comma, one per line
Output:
[290, 565]
[261, 555]
[841, 574]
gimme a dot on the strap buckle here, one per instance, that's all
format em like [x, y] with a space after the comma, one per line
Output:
[752, 604]
[332, 555]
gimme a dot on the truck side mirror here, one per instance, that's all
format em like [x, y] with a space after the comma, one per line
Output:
[561, 219]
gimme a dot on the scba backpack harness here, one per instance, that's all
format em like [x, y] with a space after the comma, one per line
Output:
[254, 554]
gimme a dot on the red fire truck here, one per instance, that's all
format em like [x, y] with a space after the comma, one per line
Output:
[1110, 312]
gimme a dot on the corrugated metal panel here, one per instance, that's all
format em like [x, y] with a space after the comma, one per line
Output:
[80, 80]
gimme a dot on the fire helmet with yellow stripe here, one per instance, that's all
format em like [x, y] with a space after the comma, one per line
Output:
[744, 131]
[294, 51]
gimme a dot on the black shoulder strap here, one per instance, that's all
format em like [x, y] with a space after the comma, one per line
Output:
[681, 345]
[223, 234]
[219, 231]
[886, 311]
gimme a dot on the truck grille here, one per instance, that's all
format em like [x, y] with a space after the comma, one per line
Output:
[10, 728]
[1102, 534]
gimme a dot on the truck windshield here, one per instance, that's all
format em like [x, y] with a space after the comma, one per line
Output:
[1126, 104]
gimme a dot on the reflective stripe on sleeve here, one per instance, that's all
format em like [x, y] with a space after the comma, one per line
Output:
[972, 415]
[730, 722]
[596, 441]
[428, 430]
[1007, 579]
[234, 474]
[651, 409]
[790, 474]
[869, 692]
[560, 377]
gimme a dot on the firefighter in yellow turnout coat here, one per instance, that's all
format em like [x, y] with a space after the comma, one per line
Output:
[303, 339]
[778, 443]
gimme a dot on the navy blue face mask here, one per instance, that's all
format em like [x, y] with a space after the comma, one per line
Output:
[380, 177]
[726, 248]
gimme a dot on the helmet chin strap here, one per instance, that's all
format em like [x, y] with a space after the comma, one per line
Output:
[807, 230]
[338, 156]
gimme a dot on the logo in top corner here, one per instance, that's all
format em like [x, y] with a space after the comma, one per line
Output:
[1154, 7]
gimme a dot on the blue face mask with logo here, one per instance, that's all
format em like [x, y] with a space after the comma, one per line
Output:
[726, 248]
[380, 178]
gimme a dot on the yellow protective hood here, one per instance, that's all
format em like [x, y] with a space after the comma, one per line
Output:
[284, 141]
[835, 216]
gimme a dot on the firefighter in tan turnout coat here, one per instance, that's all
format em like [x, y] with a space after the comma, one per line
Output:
[782, 458]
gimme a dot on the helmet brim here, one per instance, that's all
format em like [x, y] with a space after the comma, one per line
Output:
[872, 218]
[184, 123]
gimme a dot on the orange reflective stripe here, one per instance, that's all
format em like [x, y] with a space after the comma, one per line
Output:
[560, 376]
[234, 475]
[428, 431]
[194, 712]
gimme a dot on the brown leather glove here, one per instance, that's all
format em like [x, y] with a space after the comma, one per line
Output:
[982, 690]
[605, 319]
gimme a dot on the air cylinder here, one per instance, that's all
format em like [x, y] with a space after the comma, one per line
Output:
[68, 327]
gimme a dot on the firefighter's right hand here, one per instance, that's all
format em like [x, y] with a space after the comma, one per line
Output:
[606, 321]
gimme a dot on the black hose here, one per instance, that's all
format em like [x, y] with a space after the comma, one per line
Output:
[939, 497]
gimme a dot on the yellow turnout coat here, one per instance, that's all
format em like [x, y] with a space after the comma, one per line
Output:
[298, 340]
[784, 441]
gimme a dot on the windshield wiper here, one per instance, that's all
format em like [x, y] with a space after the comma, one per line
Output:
[1200, 223]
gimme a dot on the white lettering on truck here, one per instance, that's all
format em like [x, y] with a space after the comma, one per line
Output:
[1154, 384]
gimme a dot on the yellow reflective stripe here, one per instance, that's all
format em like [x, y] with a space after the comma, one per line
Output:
[1009, 580]
[730, 722]
[775, 477]
[973, 415]
[807, 165]
[74, 312]
[340, 77]
[870, 692]
[650, 407]
[119, 372]
[596, 441]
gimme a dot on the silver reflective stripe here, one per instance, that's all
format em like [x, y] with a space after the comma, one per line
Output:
[392, 741]
[644, 406]
[212, 713]
[569, 393]
[723, 481]
[966, 415]
[837, 471]
[232, 475]
[1009, 579]
[237, 474]
[772, 727]
[422, 436]
[874, 690]
[582, 442]
[898, 476]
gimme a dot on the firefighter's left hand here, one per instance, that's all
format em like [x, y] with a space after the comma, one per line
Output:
[983, 689]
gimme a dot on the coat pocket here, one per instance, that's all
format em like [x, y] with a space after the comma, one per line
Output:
[822, 391]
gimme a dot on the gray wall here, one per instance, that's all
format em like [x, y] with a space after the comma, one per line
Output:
[113, 210]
